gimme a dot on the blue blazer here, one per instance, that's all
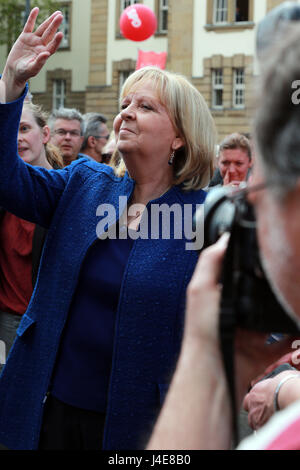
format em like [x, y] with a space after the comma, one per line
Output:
[152, 299]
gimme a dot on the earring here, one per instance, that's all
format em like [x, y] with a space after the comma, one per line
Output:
[172, 158]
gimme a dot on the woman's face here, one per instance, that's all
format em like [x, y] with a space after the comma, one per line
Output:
[32, 139]
[143, 125]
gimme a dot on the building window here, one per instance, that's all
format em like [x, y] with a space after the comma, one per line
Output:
[120, 7]
[242, 10]
[229, 13]
[59, 94]
[220, 11]
[126, 3]
[123, 75]
[239, 88]
[163, 9]
[217, 88]
[65, 27]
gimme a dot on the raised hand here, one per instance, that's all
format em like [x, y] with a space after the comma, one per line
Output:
[29, 53]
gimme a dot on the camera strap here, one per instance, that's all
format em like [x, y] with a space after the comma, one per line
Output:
[227, 336]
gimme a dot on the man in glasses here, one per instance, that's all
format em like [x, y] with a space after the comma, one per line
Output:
[96, 136]
[67, 129]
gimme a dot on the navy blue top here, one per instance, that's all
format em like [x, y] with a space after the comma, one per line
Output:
[82, 372]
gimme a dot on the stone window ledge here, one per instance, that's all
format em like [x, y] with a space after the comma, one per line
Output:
[239, 26]
[156, 35]
[229, 111]
[64, 49]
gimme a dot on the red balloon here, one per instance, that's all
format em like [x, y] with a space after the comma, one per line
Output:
[138, 22]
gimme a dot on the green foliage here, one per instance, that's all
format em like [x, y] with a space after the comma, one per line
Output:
[13, 14]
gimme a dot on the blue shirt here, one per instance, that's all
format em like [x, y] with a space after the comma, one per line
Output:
[83, 365]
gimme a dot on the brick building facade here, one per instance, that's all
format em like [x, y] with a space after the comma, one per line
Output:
[205, 40]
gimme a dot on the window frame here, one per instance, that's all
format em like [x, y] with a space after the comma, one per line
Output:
[241, 21]
[230, 24]
[118, 12]
[217, 10]
[61, 96]
[237, 87]
[161, 11]
[216, 87]
[123, 75]
[130, 2]
[66, 25]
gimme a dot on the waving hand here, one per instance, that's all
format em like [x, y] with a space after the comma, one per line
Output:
[29, 53]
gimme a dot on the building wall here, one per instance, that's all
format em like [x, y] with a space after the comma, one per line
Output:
[117, 55]
[193, 50]
[119, 48]
[71, 64]
[99, 56]
[226, 47]
[180, 37]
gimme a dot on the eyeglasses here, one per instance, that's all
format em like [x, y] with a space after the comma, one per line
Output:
[63, 133]
[106, 137]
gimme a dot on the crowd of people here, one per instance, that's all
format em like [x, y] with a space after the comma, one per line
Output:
[103, 334]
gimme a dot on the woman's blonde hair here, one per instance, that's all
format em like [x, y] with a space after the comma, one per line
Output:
[53, 154]
[190, 116]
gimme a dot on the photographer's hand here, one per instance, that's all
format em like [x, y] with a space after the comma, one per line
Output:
[196, 413]
[259, 402]
[29, 53]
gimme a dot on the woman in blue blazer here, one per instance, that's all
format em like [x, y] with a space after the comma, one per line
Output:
[97, 345]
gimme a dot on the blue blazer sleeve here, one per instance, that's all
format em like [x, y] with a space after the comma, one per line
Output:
[29, 192]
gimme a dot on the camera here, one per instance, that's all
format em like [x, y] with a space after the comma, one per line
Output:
[247, 299]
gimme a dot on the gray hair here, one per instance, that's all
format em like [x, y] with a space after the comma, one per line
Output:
[70, 114]
[277, 120]
[92, 122]
[272, 27]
